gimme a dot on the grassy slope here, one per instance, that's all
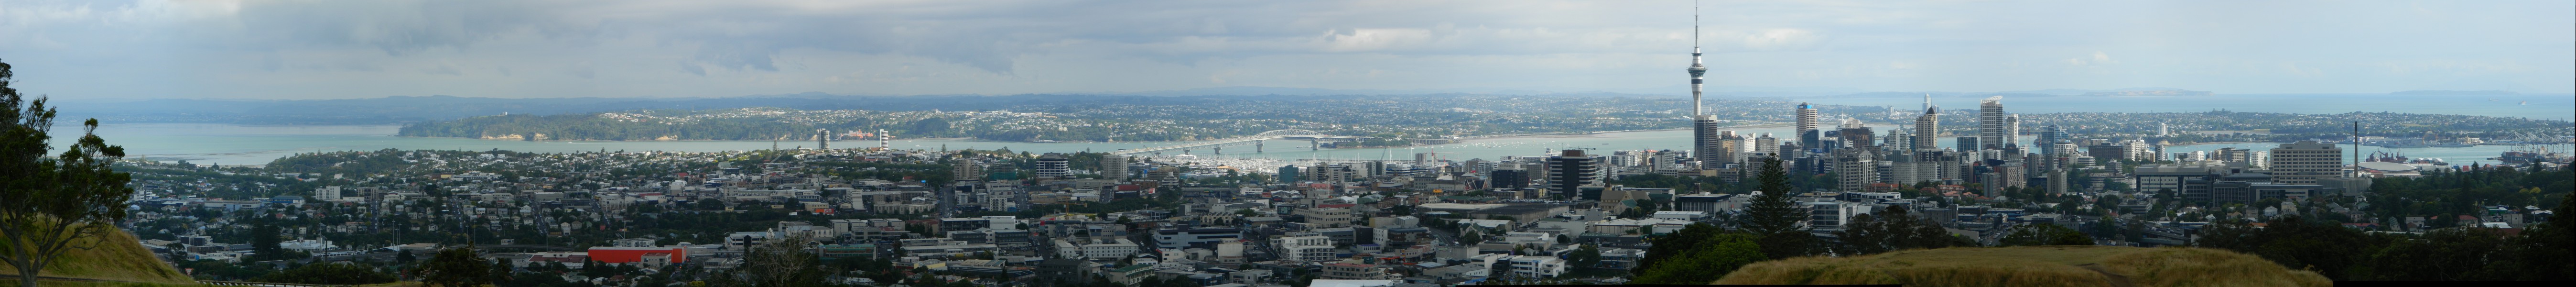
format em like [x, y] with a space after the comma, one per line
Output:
[55, 283]
[2032, 266]
[117, 257]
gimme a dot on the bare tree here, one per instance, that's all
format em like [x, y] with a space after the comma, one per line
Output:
[52, 205]
[782, 262]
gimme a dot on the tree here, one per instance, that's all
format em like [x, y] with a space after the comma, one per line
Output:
[454, 268]
[1722, 254]
[331, 273]
[2448, 254]
[1675, 245]
[53, 205]
[405, 257]
[501, 270]
[2044, 234]
[1891, 231]
[2297, 243]
[783, 262]
[2543, 254]
[1772, 212]
[264, 241]
[1588, 256]
[1774, 220]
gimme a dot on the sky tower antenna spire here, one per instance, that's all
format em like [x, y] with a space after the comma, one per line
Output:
[1696, 69]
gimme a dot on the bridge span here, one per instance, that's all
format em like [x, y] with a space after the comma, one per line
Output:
[1313, 140]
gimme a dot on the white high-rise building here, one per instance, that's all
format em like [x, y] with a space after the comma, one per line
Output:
[2304, 162]
[885, 141]
[822, 139]
[326, 194]
[1766, 144]
[1114, 167]
[1855, 169]
[2012, 131]
[1308, 248]
[1054, 165]
[1806, 126]
[1990, 123]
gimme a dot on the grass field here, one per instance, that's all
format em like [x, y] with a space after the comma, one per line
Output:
[13, 282]
[118, 257]
[2032, 266]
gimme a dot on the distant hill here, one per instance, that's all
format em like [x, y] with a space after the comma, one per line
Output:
[2134, 93]
[118, 257]
[2080, 92]
[2450, 92]
[2032, 266]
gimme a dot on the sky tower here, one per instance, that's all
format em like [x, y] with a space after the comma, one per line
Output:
[1706, 143]
[1696, 69]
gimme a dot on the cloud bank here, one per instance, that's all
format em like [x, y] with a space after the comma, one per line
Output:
[660, 48]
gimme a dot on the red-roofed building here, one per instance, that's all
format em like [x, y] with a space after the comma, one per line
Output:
[623, 255]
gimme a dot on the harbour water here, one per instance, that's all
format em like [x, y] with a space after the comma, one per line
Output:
[254, 145]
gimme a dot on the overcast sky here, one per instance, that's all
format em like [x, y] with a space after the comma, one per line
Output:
[656, 48]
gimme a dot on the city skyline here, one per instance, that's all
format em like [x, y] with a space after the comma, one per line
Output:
[1081, 143]
[272, 50]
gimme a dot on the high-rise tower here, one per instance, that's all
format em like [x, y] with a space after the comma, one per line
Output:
[822, 139]
[1696, 69]
[885, 141]
[2012, 130]
[1927, 128]
[1990, 123]
[2049, 137]
[1807, 135]
[1705, 142]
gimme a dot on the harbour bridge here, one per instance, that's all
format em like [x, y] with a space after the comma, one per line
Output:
[1313, 140]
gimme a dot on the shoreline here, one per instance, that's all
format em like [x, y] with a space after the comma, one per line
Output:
[1562, 134]
[1595, 134]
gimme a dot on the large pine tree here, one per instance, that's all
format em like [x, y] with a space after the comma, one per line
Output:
[1773, 211]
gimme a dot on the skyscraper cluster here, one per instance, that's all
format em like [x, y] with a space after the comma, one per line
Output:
[1864, 159]
[1992, 157]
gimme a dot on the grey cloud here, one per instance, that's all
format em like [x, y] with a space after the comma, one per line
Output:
[693, 69]
[625, 47]
[399, 27]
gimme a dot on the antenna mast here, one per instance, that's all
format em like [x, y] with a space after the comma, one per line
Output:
[1696, 69]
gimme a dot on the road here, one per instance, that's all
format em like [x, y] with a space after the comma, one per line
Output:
[479, 247]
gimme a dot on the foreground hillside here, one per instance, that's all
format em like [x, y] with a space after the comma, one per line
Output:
[2032, 266]
[117, 257]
